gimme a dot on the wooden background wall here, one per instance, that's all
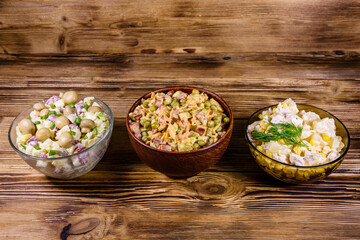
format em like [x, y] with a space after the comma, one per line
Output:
[251, 53]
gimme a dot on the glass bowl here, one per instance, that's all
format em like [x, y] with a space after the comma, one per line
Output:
[299, 174]
[182, 164]
[87, 158]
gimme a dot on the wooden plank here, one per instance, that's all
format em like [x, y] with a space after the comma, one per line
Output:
[179, 26]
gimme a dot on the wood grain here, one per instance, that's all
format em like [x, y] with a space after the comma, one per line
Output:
[251, 53]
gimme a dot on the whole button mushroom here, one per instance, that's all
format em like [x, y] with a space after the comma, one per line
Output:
[94, 109]
[27, 126]
[61, 122]
[39, 106]
[42, 134]
[66, 140]
[70, 97]
[44, 112]
[68, 110]
[87, 123]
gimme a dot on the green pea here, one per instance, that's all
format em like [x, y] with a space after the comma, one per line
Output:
[167, 114]
[196, 146]
[144, 138]
[143, 129]
[153, 117]
[192, 134]
[195, 91]
[214, 108]
[173, 148]
[211, 124]
[201, 142]
[154, 125]
[219, 129]
[152, 108]
[167, 101]
[146, 104]
[218, 118]
[183, 102]
[168, 108]
[198, 122]
[217, 122]
[178, 131]
[142, 100]
[226, 120]
[147, 124]
[208, 132]
[211, 141]
[207, 104]
[144, 134]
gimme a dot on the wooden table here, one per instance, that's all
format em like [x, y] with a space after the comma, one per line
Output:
[252, 53]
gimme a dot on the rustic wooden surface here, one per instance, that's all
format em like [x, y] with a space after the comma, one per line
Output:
[252, 53]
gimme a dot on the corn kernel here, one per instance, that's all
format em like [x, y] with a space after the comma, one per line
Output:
[261, 116]
[281, 141]
[284, 105]
[267, 114]
[269, 154]
[260, 148]
[325, 137]
[323, 155]
[314, 142]
[297, 150]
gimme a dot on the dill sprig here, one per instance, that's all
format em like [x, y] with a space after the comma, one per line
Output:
[287, 131]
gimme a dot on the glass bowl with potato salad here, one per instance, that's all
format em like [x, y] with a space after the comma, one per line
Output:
[64, 136]
[296, 143]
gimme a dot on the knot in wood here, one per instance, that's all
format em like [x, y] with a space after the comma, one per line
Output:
[213, 189]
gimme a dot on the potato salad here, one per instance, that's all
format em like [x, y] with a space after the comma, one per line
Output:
[177, 121]
[61, 126]
[295, 137]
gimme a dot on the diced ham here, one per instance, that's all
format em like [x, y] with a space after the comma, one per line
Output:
[180, 95]
[165, 147]
[200, 130]
[175, 113]
[80, 108]
[138, 113]
[158, 101]
[75, 142]
[84, 158]
[135, 128]
[79, 149]
[170, 93]
[43, 155]
[57, 170]
[220, 134]
[33, 141]
[51, 100]
[52, 118]
[63, 152]
[157, 142]
[201, 116]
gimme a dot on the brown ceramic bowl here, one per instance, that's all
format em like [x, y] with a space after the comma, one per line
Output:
[182, 164]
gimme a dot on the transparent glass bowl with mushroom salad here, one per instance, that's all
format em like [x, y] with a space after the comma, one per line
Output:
[179, 122]
[297, 143]
[64, 136]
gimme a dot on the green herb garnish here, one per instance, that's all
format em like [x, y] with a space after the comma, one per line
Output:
[37, 147]
[101, 114]
[287, 131]
[29, 118]
[77, 120]
[72, 133]
[52, 113]
[59, 115]
[86, 107]
[86, 137]
[95, 131]
[23, 146]
[52, 106]
[52, 125]
[71, 105]
[52, 152]
[37, 122]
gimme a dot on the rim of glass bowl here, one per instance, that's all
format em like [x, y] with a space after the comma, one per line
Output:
[64, 157]
[306, 167]
[133, 106]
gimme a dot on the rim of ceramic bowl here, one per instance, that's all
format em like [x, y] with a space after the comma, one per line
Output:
[64, 157]
[305, 167]
[211, 94]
